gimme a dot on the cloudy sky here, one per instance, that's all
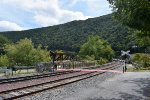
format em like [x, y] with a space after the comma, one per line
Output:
[27, 14]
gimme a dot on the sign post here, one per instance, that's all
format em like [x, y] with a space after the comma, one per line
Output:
[125, 55]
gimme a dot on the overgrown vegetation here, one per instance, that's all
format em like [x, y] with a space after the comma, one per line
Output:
[23, 53]
[96, 49]
[141, 60]
[4, 61]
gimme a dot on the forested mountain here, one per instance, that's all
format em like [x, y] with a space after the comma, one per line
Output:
[70, 36]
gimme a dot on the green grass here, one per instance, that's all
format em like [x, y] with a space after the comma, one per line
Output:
[30, 71]
[19, 72]
[137, 70]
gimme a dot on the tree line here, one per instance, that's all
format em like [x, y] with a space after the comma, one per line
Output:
[24, 53]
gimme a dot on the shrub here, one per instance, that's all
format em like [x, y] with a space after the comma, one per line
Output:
[4, 62]
[23, 53]
[142, 60]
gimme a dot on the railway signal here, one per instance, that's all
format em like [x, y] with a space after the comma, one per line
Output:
[125, 55]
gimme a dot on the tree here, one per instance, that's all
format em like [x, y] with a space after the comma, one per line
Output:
[133, 13]
[136, 15]
[142, 60]
[96, 48]
[24, 53]
[3, 40]
[4, 61]
[143, 38]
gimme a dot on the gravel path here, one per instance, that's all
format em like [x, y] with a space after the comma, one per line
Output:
[108, 86]
[129, 86]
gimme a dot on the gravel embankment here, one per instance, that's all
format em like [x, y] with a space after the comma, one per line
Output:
[82, 90]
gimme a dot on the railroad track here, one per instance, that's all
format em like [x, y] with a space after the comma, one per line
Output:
[37, 88]
[18, 79]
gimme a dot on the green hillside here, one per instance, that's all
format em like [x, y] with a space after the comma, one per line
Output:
[70, 36]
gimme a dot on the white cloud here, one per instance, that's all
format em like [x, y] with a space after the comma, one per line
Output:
[9, 26]
[50, 12]
[46, 12]
[64, 16]
[70, 15]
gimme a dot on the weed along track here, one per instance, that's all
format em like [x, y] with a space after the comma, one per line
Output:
[51, 83]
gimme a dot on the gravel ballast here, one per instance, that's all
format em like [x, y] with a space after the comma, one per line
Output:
[82, 90]
[108, 86]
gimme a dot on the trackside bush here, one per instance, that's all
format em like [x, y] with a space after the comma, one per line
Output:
[4, 61]
[142, 60]
[23, 53]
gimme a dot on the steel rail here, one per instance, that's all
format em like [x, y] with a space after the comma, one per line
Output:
[59, 80]
[23, 78]
[18, 79]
